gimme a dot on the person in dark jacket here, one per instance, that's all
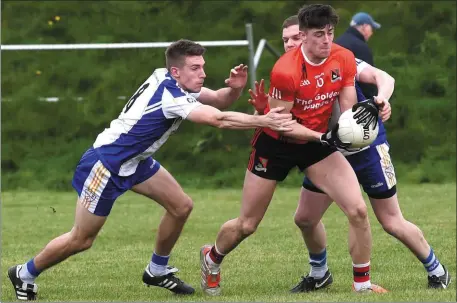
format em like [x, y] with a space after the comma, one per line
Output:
[355, 39]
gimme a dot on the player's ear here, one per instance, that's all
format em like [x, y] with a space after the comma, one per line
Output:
[174, 71]
[303, 36]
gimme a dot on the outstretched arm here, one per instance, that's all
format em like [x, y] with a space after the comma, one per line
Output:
[209, 115]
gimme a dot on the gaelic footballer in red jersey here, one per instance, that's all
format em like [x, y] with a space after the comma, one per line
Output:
[377, 170]
[315, 71]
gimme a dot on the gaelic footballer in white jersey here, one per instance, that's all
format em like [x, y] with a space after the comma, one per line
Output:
[151, 115]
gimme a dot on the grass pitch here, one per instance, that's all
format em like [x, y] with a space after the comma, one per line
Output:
[262, 268]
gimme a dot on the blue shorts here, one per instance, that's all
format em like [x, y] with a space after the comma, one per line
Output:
[374, 170]
[98, 188]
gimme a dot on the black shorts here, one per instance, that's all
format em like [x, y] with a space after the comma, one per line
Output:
[273, 159]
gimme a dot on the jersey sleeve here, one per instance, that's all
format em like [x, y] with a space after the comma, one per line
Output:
[281, 85]
[350, 69]
[195, 95]
[361, 65]
[177, 103]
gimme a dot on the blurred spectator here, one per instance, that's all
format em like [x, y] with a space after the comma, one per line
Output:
[355, 39]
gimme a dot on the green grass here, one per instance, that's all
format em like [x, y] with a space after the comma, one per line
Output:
[262, 268]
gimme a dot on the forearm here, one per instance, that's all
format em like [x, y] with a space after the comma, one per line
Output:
[226, 96]
[258, 113]
[347, 98]
[385, 84]
[301, 132]
[235, 120]
[346, 104]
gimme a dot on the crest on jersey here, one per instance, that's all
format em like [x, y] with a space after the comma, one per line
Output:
[336, 75]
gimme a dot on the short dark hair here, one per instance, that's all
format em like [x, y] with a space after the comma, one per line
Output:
[317, 16]
[292, 20]
[177, 51]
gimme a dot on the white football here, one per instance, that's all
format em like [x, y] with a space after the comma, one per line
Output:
[357, 134]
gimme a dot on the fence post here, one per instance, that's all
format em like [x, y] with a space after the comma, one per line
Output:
[250, 38]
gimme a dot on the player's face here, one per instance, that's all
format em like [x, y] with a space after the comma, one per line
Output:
[291, 37]
[191, 75]
[318, 42]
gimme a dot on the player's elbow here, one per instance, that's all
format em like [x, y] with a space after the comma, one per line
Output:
[217, 120]
[391, 80]
[222, 120]
[381, 75]
[216, 123]
[207, 115]
[221, 125]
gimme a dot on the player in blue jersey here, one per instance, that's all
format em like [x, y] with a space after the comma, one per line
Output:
[121, 160]
[375, 172]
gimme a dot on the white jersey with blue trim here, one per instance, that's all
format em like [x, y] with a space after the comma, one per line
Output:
[150, 116]
[361, 65]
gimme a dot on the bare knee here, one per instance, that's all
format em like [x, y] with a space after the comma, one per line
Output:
[247, 227]
[357, 214]
[305, 221]
[391, 226]
[84, 244]
[398, 227]
[183, 209]
[79, 242]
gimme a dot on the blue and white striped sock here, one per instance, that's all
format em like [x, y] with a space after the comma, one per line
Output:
[432, 265]
[318, 264]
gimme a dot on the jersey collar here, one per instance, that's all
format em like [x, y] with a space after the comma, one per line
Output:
[309, 61]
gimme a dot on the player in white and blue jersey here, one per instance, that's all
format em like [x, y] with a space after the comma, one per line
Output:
[121, 159]
[375, 172]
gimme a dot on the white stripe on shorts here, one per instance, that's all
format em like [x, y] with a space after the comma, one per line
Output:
[386, 165]
[94, 186]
